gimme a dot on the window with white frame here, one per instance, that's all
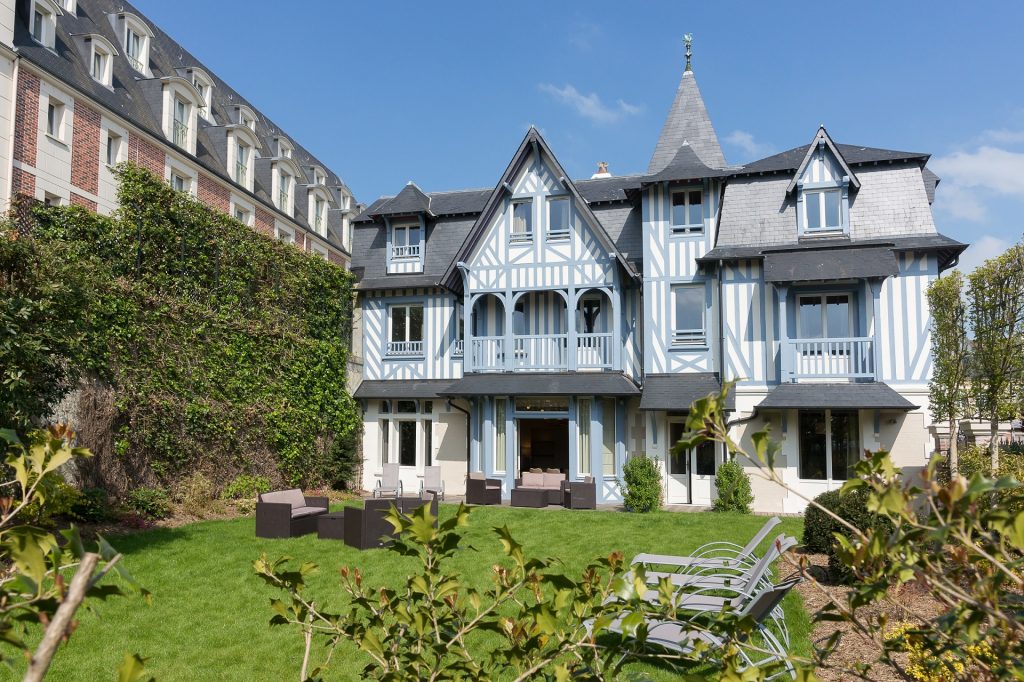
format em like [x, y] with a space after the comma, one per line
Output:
[285, 183]
[406, 329]
[205, 90]
[829, 444]
[55, 114]
[242, 152]
[823, 209]
[688, 315]
[180, 182]
[522, 220]
[318, 177]
[114, 148]
[583, 444]
[246, 118]
[405, 240]
[181, 112]
[285, 234]
[101, 65]
[460, 330]
[69, 6]
[44, 22]
[558, 218]
[687, 211]
[241, 215]
[500, 436]
[136, 43]
[318, 213]
[608, 437]
[284, 148]
[824, 316]
[320, 250]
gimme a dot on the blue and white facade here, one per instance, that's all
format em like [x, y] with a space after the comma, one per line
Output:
[551, 323]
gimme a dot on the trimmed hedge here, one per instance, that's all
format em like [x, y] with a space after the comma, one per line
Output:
[642, 479]
[733, 486]
[819, 528]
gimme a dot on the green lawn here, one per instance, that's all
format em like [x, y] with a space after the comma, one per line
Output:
[209, 616]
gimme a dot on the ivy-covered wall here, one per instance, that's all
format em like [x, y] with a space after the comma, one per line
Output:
[205, 346]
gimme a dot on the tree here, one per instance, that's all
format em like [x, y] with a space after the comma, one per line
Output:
[996, 307]
[948, 388]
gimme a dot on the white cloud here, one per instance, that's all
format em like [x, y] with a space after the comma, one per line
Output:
[746, 143]
[960, 202]
[991, 168]
[981, 250]
[590, 106]
[585, 35]
[1003, 136]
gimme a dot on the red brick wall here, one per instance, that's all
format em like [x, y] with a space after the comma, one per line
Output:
[23, 182]
[336, 258]
[26, 118]
[264, 222]
[85, 148]
[79, 200]
[214, 194]
[146, 154]
[300, 240]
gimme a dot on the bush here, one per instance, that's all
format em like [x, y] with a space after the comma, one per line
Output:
[196, 495]
[733, 485]
[246, 487]
[642, 479]
[153, 503]
[820, 527]
[975, 459]
[92, 505]
[57, 499]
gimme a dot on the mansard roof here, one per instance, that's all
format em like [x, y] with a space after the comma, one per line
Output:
[687, 122]
[533, 142]
[822, 138]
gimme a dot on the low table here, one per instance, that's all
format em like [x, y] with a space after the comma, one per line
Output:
[529, 497]
[331, 526]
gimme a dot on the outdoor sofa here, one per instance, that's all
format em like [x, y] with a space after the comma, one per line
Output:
[550, 482]
[287, 513]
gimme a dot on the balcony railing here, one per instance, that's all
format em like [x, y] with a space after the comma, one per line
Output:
[594, 350]
[411, 251]
[487, 353]
[404, 348]
[540, 351]
[458, 348]
[180, 135]
[135, 62]
[241, 172]
[836, 358]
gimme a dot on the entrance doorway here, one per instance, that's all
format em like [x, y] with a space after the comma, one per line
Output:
[691, 474]
[543, 444]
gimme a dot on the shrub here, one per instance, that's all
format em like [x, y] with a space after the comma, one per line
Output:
[57, 499]
[246, 487]
[642, 479]
[819, 527]
[153, 503]
[733, 485]
[196, 495]
[92, 505]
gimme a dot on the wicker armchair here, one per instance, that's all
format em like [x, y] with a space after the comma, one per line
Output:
[480, 490]
[287, 513]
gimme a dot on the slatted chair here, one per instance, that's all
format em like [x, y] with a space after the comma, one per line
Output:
[390, 483]
[431, 482]
[718, 554]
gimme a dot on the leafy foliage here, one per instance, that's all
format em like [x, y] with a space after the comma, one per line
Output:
[227, 351]
[642, 480]
[821, 528]
[948, 387]
[150, 502]
[733, 485]
[92, 505]
[246, 486]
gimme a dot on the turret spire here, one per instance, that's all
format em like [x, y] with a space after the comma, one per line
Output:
[688, 42]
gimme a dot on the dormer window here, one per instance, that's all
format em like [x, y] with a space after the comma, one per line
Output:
[405, 241]
[318, 177]
[284, 190]
[823, 210]
[44, 22]
[284, 149]
[205, 89]
[136, 36]
[101, 62]
[687, 212]
[319, 215]
[822, 183]
[242, 152]
[180, 123]
[246, 117]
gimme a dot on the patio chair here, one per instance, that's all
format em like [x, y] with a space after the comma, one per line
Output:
[287, 513]
[390, 483]
[682, 637]
[432, 482]
[480, 490]
[748, 579]
[717, 554]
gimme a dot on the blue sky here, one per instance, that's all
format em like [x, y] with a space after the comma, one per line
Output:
[442, 93]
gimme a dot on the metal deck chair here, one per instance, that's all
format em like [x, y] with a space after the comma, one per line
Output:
[432, 482]
[718, 554]
[390, 483]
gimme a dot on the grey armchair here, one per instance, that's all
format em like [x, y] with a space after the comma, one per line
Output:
[287, 513]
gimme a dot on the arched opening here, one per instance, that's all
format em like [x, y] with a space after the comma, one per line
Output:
[540, 331]
[487, 329]
[595, 325]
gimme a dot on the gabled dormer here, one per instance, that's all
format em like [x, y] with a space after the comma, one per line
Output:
[43, 22]
[405, 221]
[822, 184]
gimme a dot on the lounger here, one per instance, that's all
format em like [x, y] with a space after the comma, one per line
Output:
[432, 482]
[718, 554]
[390, 483]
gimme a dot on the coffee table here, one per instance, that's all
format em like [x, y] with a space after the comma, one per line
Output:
[529, 497]
[331, 526]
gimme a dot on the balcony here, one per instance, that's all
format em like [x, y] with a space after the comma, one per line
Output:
[830, 358]
[457, 349]
[539, 352]
[180, 136]
[410, 251]
[404, 348]
[241, 173]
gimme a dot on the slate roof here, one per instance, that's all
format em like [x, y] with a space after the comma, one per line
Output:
[949, 248]
[443, 238]
[407, 389]
[790, 159]
[687, 121]
[410, 200]
[685, 165]
[871, 395]
[931, 181]
[829, 264]
[676, 392]
[131, 96]
[536, 383]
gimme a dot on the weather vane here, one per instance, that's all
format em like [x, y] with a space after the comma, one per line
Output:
[688, 41]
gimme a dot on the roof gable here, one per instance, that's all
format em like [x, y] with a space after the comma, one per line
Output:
[687, 122]
[410, 200]
[822, 138]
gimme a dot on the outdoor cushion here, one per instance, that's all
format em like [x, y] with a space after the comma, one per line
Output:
[552, 471]
[476, 475]
[532, 480]
[299, 512]
[553, 481]
[536, 470]
[293, 497]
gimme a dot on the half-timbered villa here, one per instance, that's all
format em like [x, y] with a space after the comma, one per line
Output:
[557, 323]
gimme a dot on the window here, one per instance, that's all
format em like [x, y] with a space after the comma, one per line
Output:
[824, 316]
[407, 406]
[113, 148]
[590, 312]
[320, 251]
[558, 218]
[823, 210]
[829, 444]
[500, 454]
[608, 437]
[407, 443]
[688, 318]
[405, 241]
[38, 19]
[522, 220]
[284, 191]
[241, 215]
[583, 451]
[385, 437]
[55, 119]
[406, 329]
[319, 215]
[205, 90]
[285, 234]
[677, 461]
[553, 404]
[705, 456]
[687, 212]
[136, 46]
[428, 407]
[242, 164]
[100, 67]
[179, 126]
[179, 182]
[428, 443]
[44, 22]
[319, 178]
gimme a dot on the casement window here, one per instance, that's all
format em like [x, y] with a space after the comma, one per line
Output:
[824, 316]
[205, 90]
[703, 455]
[522, 220]
[319, 215]
[55, 112]
[823, 210]
[179, 123]
[460, 330]
[136, 45]
[500, 436]
[284, 191]
[320, 250]
[428, 443]
[319, 178]
[829, 444]
[242, 163]
[285, 234]
[179, 183]
[688, 318]
[407, 443]
[100, 70]
[583, 444]
[385, 436]
[43, 19]
[241, 215]
[687, 211]
[558, 218]
[114, 145]
[405, 241]
[406, 324]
